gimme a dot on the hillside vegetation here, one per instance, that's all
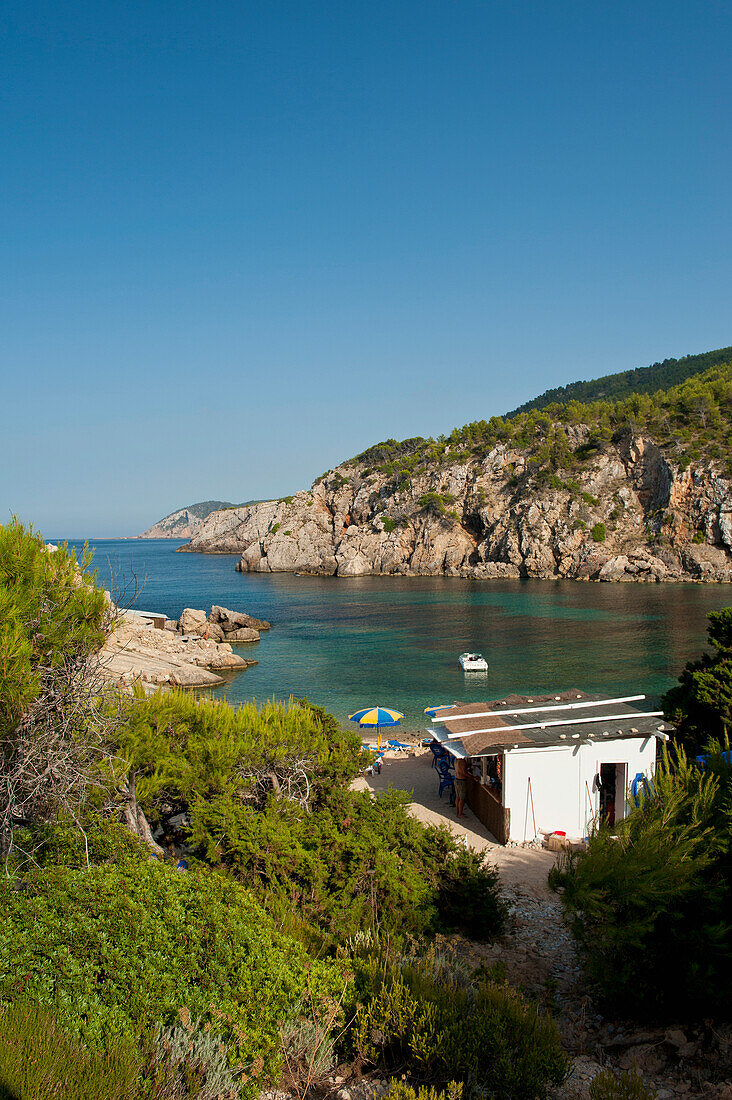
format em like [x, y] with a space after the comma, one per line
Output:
[658, 376]
[692, 419]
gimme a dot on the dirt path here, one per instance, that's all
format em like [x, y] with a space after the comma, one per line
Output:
[525, 869]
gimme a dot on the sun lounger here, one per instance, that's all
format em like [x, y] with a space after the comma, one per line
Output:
[398, 746]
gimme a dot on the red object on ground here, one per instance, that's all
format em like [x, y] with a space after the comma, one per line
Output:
[559, 832]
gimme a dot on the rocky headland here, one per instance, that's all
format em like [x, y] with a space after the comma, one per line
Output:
[631, 509]
[192, 652]
[184, 522]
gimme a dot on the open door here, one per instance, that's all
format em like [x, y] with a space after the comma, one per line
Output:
[613, 784]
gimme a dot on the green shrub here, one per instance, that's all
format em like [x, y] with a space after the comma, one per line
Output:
[598, 532]
[389, 524]
[275, 528]
[622, 1086]
[589, 499]
[432, 503]
[54, 732]
[438, 1024]
[352, 864]
[700, 706]
[400, 1090]
[651, 907]
[187, 750]
[47, 617]
[339, 859]
[470, 897]
[41, 1061]
[64, 845]
[116, 951]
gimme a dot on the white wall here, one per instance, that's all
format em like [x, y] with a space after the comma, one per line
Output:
[562, 783]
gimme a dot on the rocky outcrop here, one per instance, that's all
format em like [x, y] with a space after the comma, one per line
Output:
[220, 625]
[188, 653]
[138, 653]
[232, 621]
[627, 512]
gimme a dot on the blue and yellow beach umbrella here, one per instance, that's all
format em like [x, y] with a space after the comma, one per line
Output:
[376, 718]
[431, 712]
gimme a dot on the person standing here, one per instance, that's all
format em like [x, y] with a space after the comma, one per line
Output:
[461, 785]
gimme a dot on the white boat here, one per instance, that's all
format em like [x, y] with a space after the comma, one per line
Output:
[473, 662]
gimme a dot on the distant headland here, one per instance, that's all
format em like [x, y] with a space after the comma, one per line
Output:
[626, 478]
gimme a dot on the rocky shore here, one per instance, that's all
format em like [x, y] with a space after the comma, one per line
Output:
[630, 513]
[192, 652]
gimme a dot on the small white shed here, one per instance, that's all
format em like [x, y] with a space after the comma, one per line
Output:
[552, 762]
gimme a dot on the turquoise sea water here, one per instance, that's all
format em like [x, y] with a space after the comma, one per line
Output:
[348, 643]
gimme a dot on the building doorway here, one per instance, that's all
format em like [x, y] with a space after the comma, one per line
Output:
[613, 781]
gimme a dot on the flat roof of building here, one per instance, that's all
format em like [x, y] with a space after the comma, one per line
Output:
[542, 721]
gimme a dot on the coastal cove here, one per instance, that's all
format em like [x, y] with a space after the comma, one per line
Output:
[352, 642]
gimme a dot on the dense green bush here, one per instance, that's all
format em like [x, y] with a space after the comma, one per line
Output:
[354, 863]
[651, 907]
[116, 951]
[64, 845]
[54, 734]
[41, 1061]
[469, 896]
[437, 1023]
[598, 532]
[700, 706]
[339, 859]
[50, 612]
[184, 749]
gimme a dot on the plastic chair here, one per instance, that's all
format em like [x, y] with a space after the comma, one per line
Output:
[438, 753]
[447, 783]
[398, 746]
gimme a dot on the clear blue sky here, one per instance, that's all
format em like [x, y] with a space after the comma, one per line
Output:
[243, 241]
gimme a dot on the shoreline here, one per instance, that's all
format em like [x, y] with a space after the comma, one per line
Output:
[628, 579]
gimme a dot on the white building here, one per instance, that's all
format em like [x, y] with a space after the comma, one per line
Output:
[551, 763]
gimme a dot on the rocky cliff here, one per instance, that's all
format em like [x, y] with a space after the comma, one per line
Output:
[629, 511]
[184, 523]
